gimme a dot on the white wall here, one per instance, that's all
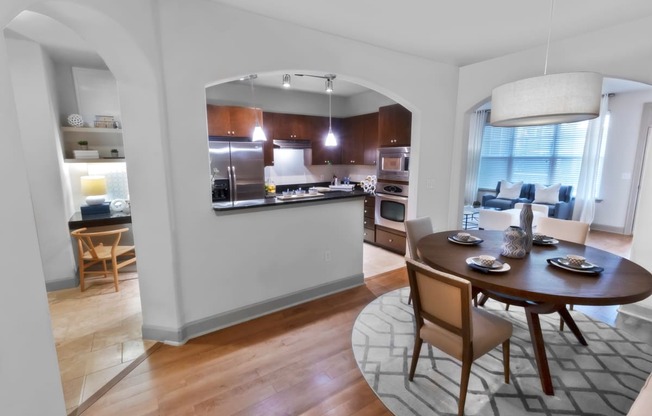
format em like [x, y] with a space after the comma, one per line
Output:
[28, 359]
[31, 74]
[620, 154]
[290, 101]
[215, 256]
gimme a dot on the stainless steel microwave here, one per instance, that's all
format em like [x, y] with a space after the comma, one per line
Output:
[393, 163]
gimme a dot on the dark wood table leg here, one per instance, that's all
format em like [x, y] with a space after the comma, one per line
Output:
[566, 316]
[539, 352]
[483, 299]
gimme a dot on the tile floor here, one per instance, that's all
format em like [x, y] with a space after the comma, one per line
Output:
[97, 333]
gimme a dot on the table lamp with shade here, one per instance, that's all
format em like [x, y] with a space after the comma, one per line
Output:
[94, 188]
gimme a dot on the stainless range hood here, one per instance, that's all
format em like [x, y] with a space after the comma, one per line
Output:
[291, 144]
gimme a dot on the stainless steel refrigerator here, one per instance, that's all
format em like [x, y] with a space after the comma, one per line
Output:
[237, 172]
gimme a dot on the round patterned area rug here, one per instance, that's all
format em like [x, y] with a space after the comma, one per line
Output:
[603, 378]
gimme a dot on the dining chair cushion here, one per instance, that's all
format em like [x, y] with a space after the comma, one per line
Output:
[643, 402]
[488, 331]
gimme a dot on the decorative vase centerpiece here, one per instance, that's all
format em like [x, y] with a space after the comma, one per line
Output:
[514, 242]
[526, 224]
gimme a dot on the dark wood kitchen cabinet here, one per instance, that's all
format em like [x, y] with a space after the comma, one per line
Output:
[293, 126]
[359, 139]
[368, 220]
[321, 154]
[230, 121]
[391, 239]
[394, 125]
[268, 146]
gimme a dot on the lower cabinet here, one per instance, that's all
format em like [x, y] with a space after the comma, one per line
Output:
[369, 223]
[391, 239]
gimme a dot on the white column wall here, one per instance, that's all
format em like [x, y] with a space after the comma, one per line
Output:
[43, 157]
[28, 360]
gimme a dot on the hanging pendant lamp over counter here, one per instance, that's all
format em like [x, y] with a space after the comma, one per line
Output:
[548, 99]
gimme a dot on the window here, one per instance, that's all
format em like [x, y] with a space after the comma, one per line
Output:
[535, 154]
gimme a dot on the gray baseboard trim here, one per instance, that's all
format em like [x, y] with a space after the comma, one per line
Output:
[68, 283]
[200, 327]
[608, 228]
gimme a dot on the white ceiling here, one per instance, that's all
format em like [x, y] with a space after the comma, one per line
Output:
[460, 32]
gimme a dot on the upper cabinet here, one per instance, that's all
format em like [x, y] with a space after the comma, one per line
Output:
[321, 154]
[293, 126]
[228, 121]
[359, 139]
[394, 125]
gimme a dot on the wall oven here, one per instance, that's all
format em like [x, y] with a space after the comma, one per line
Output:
[391, 205]
[393, 163]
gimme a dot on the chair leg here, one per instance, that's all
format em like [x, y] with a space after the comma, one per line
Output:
[464, 383]
[506, 360]
[410, 298]
[507, 306]
[115, 276]
[415, 357]
[82, 283]
[106, 271]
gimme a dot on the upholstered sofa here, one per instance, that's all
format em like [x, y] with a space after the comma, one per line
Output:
[562, 209]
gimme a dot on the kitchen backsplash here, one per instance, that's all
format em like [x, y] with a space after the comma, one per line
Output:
[289, 168]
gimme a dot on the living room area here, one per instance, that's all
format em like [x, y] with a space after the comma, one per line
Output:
[587, 171]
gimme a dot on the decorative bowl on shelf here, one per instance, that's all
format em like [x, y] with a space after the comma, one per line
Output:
[75, 120]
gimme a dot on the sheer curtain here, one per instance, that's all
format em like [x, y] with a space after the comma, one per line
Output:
[478, 121]
[587, 187]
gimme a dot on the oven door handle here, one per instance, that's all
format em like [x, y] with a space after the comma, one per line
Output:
[395, 198]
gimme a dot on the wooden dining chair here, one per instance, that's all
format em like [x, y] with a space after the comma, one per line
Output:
[91, 250]
[446, 320]
[573, 231]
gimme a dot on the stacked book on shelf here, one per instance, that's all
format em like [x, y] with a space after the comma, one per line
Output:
[105, 122]
[86, 154]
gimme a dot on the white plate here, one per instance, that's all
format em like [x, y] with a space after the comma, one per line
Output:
[478, 262]
[583, 266]
[594, 270]
[504, 268]
[551, 242]
[471, 241]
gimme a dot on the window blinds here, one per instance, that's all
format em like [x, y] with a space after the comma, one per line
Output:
[534, 154]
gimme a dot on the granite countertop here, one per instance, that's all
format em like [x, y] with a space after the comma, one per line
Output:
[273, 200]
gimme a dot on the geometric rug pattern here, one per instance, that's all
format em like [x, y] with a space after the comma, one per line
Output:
[602, 378]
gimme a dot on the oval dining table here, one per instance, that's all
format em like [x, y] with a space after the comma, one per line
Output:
[536, 285]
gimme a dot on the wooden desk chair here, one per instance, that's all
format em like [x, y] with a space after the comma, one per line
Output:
[573, 231]
[91, 251]
[446, 320]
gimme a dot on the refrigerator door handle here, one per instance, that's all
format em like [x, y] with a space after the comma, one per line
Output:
[234, 186]
[231, 193]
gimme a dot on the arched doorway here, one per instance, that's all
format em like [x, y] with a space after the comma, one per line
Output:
[139, 92]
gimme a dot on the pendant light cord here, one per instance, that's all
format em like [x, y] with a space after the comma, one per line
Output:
[545, 65]
[330, 114]
[253, 98]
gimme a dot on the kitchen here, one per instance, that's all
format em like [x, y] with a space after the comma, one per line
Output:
[296, 120]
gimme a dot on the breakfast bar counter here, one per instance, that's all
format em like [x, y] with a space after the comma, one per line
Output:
[278, 201]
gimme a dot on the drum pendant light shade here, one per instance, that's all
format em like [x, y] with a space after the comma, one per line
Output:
[548, 99]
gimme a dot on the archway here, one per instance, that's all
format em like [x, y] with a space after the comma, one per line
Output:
[140, 100]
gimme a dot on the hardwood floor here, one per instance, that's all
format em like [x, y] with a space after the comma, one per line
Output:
[295, 361]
